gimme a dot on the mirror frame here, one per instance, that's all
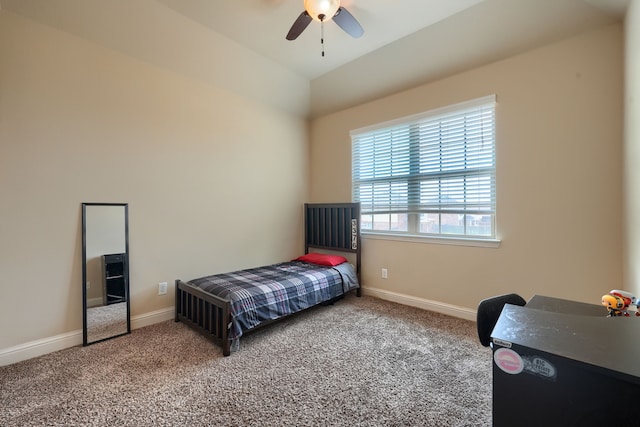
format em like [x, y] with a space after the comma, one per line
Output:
[85, 341]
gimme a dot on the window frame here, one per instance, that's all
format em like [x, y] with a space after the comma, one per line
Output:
[415, 205]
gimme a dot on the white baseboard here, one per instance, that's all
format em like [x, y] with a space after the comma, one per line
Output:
[425, 304]
[43, 346]
[70, 339]
[95, 302]
[37, 348]
[146, 319]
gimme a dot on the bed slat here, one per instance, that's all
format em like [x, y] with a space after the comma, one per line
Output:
[203, 312]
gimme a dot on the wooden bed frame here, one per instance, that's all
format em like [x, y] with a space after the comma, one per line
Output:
[333, 227]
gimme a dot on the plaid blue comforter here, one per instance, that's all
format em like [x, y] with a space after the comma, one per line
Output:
[267, 293]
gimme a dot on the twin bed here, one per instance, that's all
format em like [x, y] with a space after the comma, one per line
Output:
[225, 306]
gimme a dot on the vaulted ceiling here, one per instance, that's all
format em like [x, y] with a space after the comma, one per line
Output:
[406, 43]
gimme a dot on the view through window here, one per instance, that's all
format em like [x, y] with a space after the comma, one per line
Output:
[432, 174]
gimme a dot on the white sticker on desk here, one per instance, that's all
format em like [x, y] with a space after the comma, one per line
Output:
[508, 361]
[538, 366]
[502, 343]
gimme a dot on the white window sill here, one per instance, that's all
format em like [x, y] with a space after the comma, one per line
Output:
[456, 241]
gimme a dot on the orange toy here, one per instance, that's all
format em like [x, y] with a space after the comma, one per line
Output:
[628, 298]
[614, 304]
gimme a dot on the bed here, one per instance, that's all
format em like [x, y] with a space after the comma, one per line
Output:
[223, 307]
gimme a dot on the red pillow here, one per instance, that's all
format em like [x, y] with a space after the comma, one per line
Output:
[322, 259]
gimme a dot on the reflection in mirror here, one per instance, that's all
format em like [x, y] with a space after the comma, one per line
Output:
[105, 271]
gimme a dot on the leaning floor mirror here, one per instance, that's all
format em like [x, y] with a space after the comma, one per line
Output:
[105, 271]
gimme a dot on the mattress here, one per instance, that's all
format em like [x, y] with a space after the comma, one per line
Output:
[267, 293]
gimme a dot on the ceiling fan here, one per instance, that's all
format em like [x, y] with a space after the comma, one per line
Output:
[321, 11]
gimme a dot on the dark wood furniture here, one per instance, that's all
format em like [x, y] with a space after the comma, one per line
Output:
[558, 305]
[559, 363]
[113, 276]
[333, 227]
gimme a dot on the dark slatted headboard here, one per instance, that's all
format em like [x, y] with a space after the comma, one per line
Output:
[333, 226]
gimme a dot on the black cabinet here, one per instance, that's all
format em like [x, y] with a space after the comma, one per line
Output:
[114, 275]
[564, 363]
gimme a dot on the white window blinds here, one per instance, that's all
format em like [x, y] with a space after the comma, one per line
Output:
[432, 173]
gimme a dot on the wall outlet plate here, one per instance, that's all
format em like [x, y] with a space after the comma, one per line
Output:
[162, 288]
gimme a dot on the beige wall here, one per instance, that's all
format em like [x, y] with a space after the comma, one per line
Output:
[632, 148]
[559, 183]
[214, 180]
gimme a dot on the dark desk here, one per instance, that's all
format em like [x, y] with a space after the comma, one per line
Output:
[559, 362]
[558, 305]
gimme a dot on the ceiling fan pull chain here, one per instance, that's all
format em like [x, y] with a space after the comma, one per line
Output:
[322, 36]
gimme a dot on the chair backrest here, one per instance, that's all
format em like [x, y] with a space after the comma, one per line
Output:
[489, 311]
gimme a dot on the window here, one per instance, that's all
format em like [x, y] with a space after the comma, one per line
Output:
[430, 175]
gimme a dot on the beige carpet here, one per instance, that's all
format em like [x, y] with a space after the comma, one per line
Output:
[106, 321]
[360, 362]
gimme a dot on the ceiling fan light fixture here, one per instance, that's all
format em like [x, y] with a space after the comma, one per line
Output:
[321, 10]
[324, 10]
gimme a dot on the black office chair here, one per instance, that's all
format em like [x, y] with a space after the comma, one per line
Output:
[489, 311]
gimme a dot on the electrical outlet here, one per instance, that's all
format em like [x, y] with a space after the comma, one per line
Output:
[384, 273]
[162, 288]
